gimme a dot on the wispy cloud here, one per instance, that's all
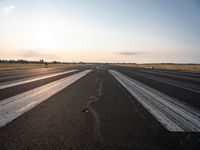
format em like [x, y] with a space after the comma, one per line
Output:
[7, 9]
[127, 53]
[32, 54]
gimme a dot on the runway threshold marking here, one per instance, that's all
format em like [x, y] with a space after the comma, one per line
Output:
[19, 82]
[15, 106]
[173, 114]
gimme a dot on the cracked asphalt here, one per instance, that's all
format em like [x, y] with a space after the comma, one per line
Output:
[95, 112]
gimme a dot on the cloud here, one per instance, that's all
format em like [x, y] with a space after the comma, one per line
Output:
[127, 53]
[7, 9]
[30, 53]
[35, 54]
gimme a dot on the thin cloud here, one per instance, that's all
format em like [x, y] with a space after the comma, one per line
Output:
[7, 9]
[29, 54]
[126, 53]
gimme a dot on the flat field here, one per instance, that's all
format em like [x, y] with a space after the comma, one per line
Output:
[181, 67]
[33, 66]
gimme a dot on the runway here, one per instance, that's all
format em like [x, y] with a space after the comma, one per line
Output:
[100, 107]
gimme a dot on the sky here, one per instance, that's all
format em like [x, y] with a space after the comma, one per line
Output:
[137, 31]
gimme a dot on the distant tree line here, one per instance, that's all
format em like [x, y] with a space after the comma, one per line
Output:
[41, 61]
[21, 61]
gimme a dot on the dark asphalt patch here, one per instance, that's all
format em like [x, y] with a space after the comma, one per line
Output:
[85, 110]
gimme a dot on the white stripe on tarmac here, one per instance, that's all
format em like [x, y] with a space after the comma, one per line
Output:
[172, 75]
[173, 114]
[178, 84]
[19, 82]
[15, 106]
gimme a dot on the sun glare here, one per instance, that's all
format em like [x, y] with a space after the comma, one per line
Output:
[44, 32]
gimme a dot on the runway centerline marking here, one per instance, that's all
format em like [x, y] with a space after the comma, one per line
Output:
[173, 114]
[19, 82]
[13, 107]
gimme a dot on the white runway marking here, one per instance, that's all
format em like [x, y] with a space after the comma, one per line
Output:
[175, 83]
[15, 83]
[15, 106]
[172, 75]
[173, 114]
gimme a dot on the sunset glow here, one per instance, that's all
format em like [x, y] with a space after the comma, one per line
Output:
[105, 31]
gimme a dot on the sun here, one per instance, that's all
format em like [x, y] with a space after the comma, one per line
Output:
[44, 32]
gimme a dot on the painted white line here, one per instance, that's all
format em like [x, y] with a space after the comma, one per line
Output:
[15, 106]
[173, 114]
[19, 82]
[172, 75]
[178, 84]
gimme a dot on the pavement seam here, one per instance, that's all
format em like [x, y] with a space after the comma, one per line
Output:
[97, 126]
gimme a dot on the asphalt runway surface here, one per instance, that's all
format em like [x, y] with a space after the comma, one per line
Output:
[100, 108]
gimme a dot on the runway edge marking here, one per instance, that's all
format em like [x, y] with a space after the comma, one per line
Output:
[15, 83]
[173, 114]
[13, 107]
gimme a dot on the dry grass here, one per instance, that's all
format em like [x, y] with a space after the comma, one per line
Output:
[33, 66]
[182, 67]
